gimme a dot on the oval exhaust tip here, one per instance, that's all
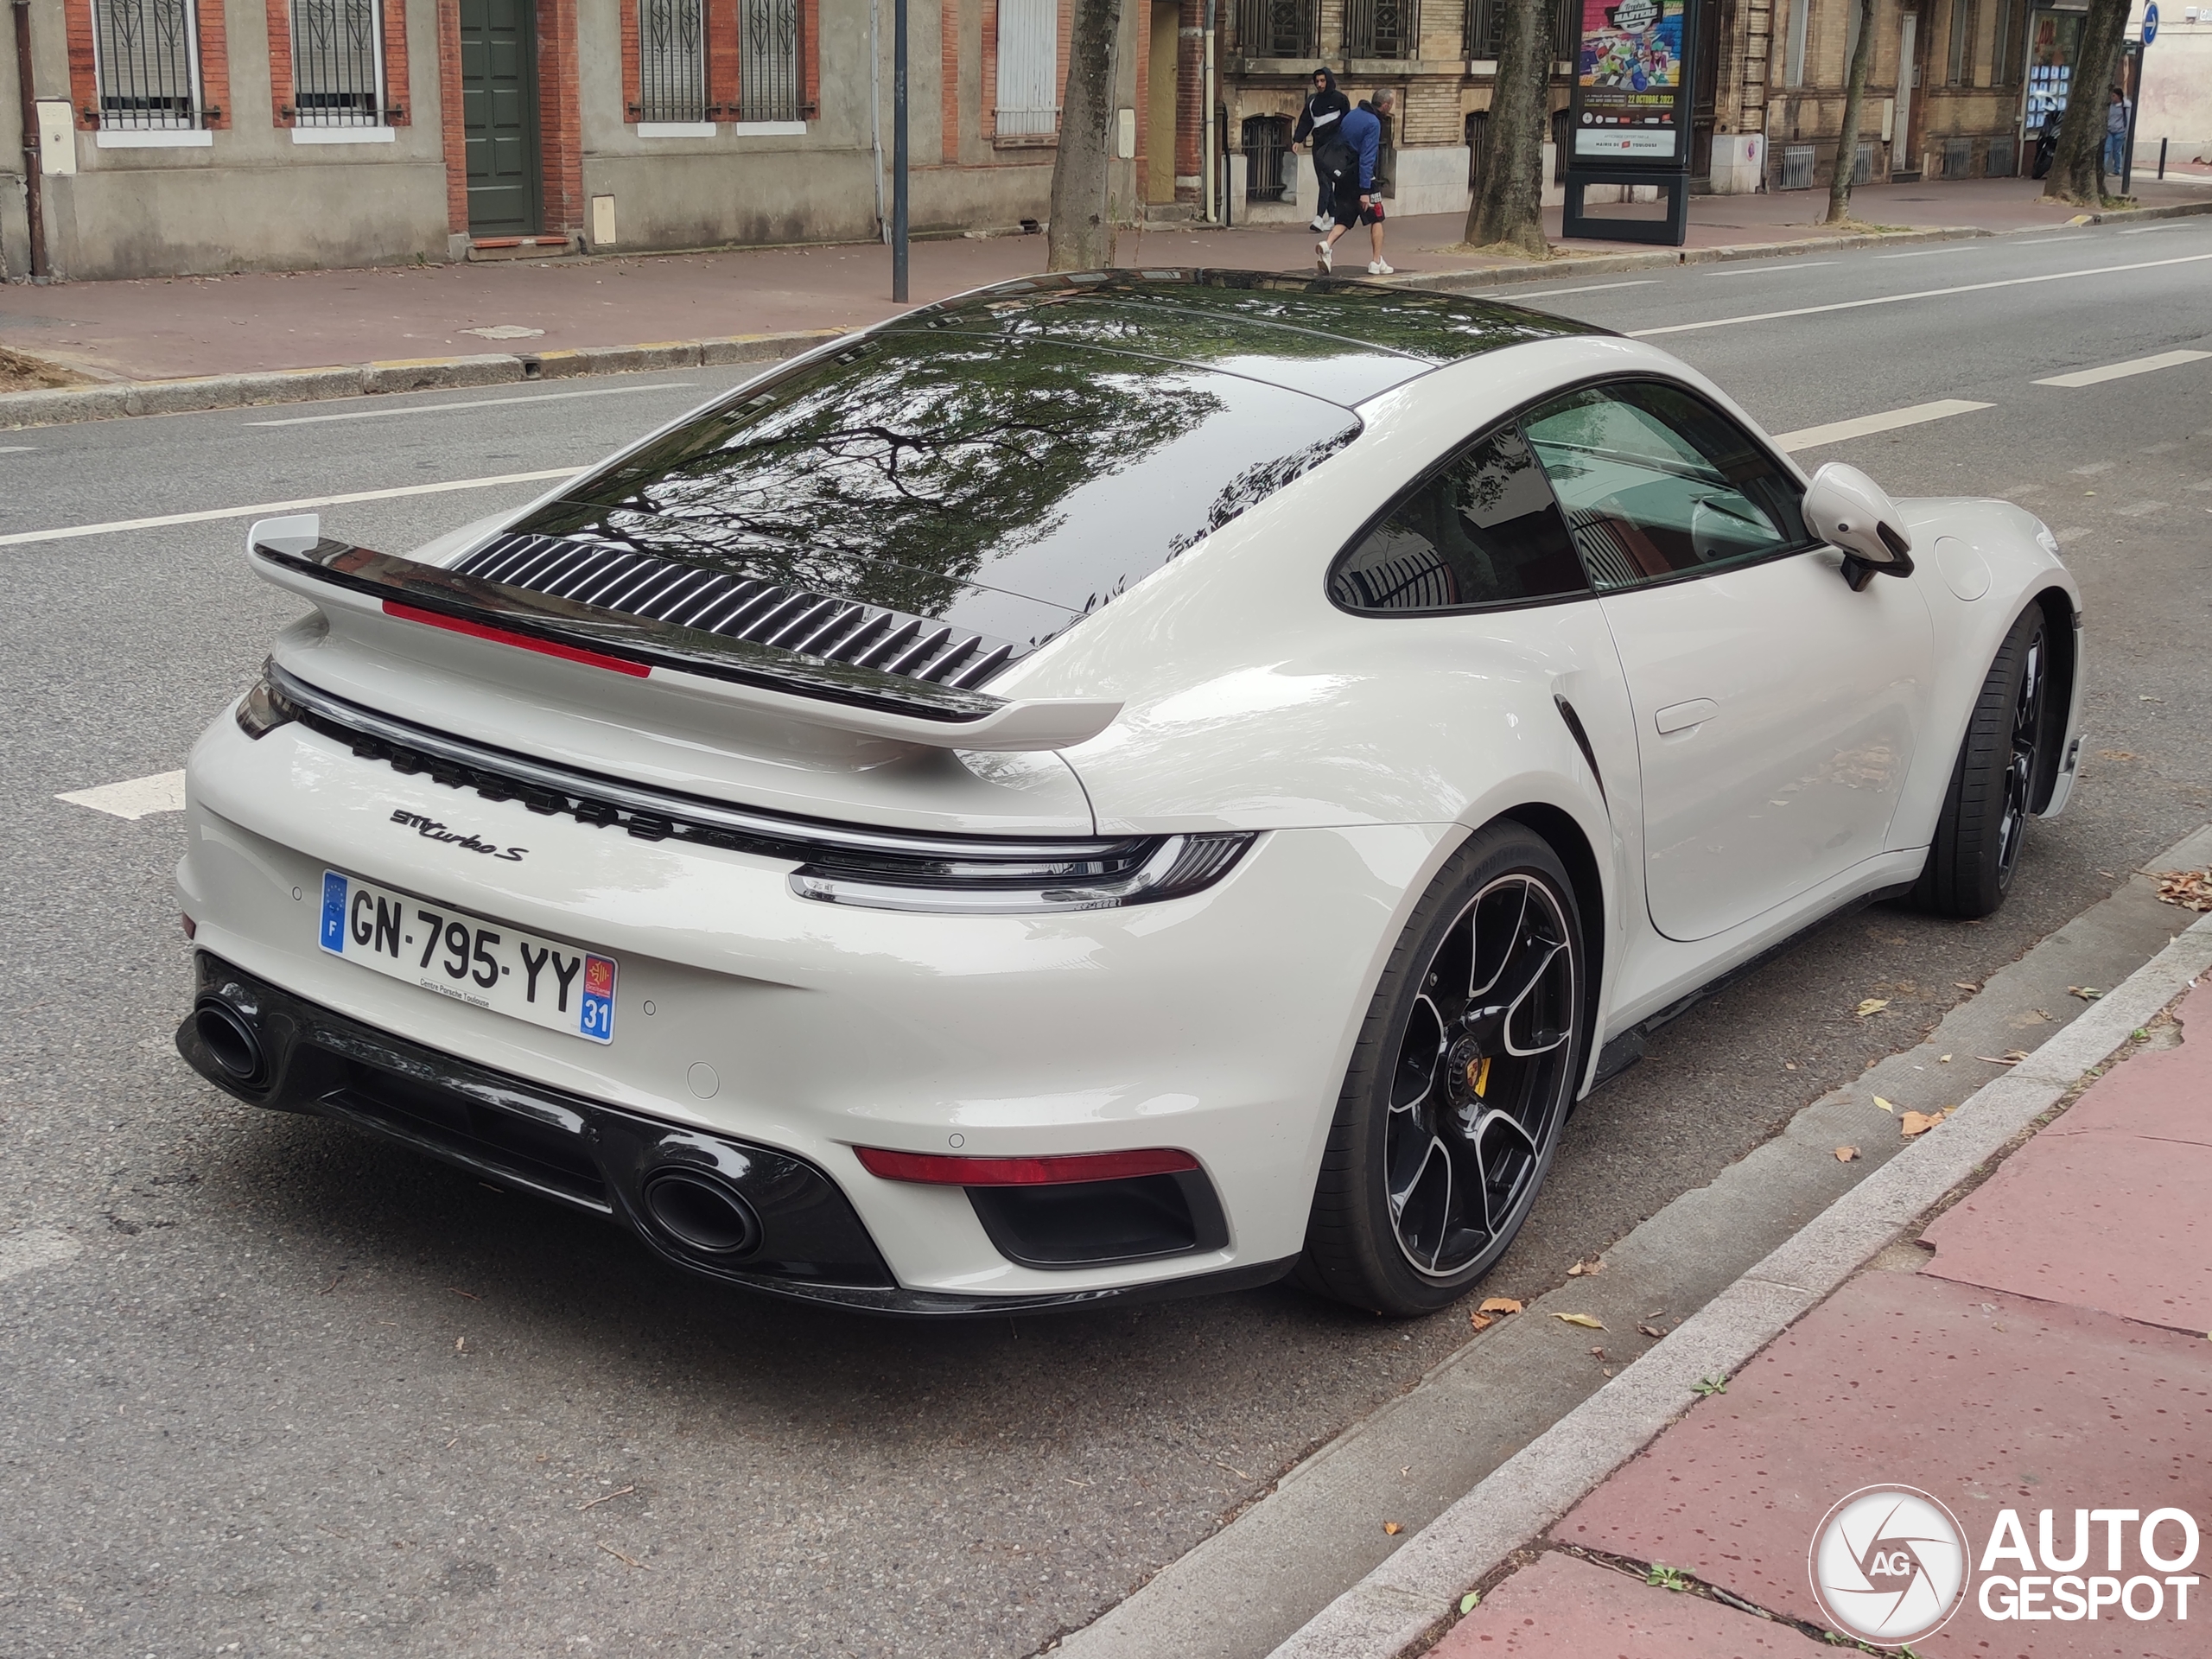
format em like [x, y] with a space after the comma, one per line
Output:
[701, 1212]
[230, 1040]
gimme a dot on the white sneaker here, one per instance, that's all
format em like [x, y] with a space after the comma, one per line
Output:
[1376, 268]
[1324, 258]
[1322, 222]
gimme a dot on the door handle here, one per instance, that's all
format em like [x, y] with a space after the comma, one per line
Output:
[1681, 717]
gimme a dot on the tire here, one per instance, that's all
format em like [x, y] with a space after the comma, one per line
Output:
[1976, 849]
[1452, 1104]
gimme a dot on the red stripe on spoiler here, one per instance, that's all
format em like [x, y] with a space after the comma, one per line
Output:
[545, 647]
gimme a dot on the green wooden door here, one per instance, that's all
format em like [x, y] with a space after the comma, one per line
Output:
[498, 103]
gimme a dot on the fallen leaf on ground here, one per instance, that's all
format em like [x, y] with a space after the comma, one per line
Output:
[1597, 1353]
[1499, 1305]
[1965, 985]
[1392, 1528]
[2190, 889]
[2087, 993]
[1583, 1270]
[1481, 1321]
[1884, 1105]
[461, 1344]
[1920, 1122]
[1845, 1155]
[1469, 1602]
[1942, 1059]
[1651, 1331]
[2000, 1059]
[1788, 1066]
[1873, 1005]
[1585, 1320]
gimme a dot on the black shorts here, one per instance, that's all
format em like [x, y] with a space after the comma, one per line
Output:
[1345, 208]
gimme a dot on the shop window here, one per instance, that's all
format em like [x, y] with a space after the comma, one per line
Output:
[1027, 99]
[671, 61]
[768, 51]
[337, 63]
[146, 58]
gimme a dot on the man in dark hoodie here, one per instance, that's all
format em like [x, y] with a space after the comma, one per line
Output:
[1317, 126]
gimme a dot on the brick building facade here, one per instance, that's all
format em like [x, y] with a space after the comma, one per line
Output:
[198, 136]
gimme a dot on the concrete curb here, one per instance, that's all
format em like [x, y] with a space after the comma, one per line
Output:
[1406, 1602]
[106, 402]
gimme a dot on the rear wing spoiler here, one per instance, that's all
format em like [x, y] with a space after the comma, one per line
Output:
[294, 554]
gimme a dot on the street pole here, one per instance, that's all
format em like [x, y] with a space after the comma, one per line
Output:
[34, 192]
[899, 153]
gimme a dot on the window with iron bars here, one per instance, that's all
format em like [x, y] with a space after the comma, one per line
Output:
[1279, 28]
[337, 63]
[1268, 158]
[671, 61]
[1382, 29]
[1486, 29]
[146, 56]
[768, 77]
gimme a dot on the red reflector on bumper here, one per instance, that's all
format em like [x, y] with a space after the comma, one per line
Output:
[501, 636]
[936, 1170]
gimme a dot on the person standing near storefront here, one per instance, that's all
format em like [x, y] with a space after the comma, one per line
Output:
[1326, 107]
[2116, 115]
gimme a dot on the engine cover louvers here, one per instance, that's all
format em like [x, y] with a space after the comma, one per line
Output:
[739, 608]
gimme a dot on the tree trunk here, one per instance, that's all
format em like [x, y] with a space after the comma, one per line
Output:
[2077, 167]
[1854, 102]
[1082, 171]
[1508, 207]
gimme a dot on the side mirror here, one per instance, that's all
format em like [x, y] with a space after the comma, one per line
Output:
[1846, 508]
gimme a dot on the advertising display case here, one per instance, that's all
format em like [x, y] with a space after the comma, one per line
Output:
[1629, 114]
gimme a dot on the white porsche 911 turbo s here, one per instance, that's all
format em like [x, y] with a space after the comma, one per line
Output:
[1110, 785]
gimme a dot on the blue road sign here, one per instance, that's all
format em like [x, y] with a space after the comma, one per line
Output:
[2150, 23]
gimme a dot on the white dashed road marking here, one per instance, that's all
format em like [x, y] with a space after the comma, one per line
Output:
[1836, 431]
[136, 799]
[1775, 269]
[34, 1247]
[262, 509]
[1554, 293]
[476, 402]
[2121, 371]
[1920, 294]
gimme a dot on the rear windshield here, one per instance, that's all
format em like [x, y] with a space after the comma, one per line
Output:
[1003, 485]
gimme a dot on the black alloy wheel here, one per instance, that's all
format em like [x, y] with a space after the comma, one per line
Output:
[1459, 1086]
[1976, 850]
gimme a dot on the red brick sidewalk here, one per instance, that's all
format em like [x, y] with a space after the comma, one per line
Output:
[160, 328]
[2051, 1355]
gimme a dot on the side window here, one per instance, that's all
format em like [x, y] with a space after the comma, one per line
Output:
[1658, 483]
[1481, 531]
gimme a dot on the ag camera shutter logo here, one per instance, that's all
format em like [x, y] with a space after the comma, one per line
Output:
[1889, 1565]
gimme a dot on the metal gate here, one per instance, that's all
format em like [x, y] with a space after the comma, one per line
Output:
[147, 53]
[1268, 158]
[1029, 90]
[671, 61]
[337, 63]
[768, 61]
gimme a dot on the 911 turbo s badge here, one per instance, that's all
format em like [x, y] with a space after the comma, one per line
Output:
[431, 829]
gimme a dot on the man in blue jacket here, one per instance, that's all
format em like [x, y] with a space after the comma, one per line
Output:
[1357, 199]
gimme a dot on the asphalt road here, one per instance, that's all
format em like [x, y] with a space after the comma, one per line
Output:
[267, 1387]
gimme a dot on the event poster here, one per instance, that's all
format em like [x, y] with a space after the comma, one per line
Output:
[1628, 81]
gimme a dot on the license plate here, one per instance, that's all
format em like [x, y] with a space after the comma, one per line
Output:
[544, 981]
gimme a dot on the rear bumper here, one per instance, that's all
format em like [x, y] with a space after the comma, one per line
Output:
[810, 1245]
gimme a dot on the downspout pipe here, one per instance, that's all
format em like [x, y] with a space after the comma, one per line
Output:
[1213, 215]
[33, 191]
